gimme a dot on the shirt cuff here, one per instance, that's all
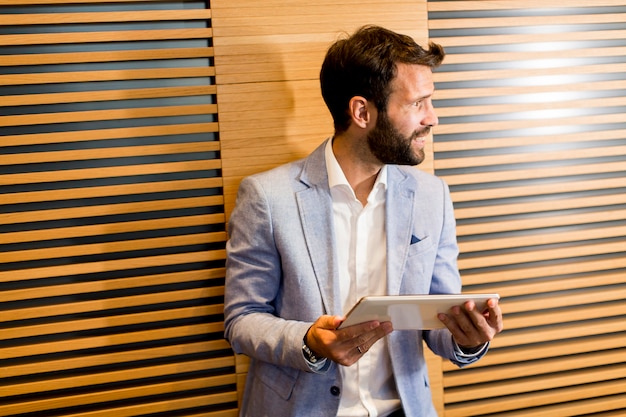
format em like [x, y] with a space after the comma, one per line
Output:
[317, 366]
[465, 357]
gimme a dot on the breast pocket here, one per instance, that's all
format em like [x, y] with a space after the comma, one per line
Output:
[420, 246]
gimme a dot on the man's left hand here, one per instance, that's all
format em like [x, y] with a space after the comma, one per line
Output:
[471, 327]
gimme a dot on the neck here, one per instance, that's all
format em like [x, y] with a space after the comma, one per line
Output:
[360, 169]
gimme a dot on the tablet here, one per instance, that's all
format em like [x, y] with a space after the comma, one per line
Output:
[410, 312]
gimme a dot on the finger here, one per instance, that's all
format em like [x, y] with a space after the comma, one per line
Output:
[461, 326]
[495, 315]
[450, 322]
[465, 318]
[375, 335]
[358, 330]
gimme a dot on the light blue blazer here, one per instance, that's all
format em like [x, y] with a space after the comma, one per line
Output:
[281, 275]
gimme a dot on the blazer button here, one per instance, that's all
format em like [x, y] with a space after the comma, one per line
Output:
[335, 390]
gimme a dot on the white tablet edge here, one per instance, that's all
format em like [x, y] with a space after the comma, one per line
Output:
[410, 312]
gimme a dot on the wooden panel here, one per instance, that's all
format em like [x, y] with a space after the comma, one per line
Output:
[532, 142]
[112, 218]
[272, 112]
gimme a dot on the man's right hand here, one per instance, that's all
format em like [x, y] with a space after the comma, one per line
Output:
[345, 346]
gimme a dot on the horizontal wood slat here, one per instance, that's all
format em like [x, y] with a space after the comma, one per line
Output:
[102, 134]
[113, 247]
[84, 97]
[591, 280]
[520, 272]
[106, 56]
[111, 228]
[528, 174]
[545, 382]
[540, 206]
[533, 90]
[102, 153]
[111, 265]
[107, 191]
[569, 309]
[105, 285]
[440, 6]
[538, 223]
[113, 358]
[530, 37]
[515, 124]
[117, 376]
[558, 349]
[108, 36]
[55, 2]
[541, 239]
[111, 304]
[107, 172]
[535, 108]
[575, 400]
[109, 340]
[168, 406]
[116, 209]
[90, 324]
[105, 75]
[578, 19]
[542, 254]
[93, 115]
[120, 394]
[101, 17]
[531, 57]
[547, 189]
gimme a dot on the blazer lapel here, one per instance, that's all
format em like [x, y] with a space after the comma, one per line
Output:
[315, 209]
[399, 211]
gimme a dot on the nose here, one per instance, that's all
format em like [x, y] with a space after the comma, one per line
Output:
[430, 118]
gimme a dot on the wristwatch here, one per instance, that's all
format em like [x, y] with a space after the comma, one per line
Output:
[308, 353]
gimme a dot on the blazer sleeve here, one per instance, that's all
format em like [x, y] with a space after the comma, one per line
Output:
[253, 279]
[447, 280]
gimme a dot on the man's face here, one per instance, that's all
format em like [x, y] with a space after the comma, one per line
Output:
[399, 135]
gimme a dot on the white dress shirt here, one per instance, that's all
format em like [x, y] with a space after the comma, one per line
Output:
[368, 385]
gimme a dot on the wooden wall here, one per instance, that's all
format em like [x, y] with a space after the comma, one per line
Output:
[126, 126]
[111, 213]
[532, 141]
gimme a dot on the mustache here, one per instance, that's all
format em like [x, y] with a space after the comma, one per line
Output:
[420, 133]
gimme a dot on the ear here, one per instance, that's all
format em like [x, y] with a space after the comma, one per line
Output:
[359, 111]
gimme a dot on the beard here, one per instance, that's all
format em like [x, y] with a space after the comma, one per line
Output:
[390, 147]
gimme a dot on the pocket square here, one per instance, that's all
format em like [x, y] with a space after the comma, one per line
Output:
[414, 239]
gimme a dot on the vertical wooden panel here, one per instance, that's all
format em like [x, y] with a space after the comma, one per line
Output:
[268, 56]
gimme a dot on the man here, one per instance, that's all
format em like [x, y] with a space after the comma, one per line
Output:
[309, 238]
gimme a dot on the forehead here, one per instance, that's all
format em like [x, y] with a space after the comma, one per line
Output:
[412, 81]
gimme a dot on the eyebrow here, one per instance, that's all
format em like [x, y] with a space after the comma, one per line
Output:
[420, 98]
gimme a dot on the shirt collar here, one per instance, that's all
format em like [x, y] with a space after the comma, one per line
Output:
[336, 177]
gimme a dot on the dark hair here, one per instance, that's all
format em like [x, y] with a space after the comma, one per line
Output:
[364, 64]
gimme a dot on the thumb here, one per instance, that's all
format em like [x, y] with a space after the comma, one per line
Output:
[329, 322]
